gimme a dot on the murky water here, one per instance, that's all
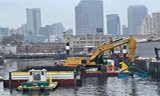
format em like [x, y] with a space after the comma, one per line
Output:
[147, 49]
[92, 86]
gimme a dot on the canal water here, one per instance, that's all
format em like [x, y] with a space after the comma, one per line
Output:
[92, 86]
[147, 49]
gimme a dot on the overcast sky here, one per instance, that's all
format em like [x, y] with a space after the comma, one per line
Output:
[13, 12]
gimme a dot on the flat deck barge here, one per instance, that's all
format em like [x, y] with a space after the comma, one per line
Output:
[65, 78]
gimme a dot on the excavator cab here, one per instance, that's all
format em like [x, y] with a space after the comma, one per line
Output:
[101, 59]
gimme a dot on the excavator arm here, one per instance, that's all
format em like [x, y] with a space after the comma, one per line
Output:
[75, 61]
[131, 41]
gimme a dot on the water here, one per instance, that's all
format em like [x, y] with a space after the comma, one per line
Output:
[147, 49]
[93, 86]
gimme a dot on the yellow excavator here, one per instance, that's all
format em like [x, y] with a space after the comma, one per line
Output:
[92, 60]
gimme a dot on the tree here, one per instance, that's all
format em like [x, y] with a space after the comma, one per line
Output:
[14, 39]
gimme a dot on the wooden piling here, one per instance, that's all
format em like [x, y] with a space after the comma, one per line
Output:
[10, 82]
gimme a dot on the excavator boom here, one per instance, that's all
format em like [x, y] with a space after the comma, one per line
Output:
[107, 46]
[74, 61]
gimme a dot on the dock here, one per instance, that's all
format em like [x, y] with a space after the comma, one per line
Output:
[151, 66]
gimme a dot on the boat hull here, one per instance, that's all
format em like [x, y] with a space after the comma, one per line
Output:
[51, 86]
[61, 83]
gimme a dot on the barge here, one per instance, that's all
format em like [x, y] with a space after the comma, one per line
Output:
[66, 78]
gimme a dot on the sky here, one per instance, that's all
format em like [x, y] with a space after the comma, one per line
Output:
[13, 12]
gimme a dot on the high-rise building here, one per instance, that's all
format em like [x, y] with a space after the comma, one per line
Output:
[156, 22]
[55, 29]
[45, 31]
[146, 26]
[113, 24]
[125, 30]
[136, 14]
[68, 32]
[22, 29]
[3, 32]
[151, 24]
[33, 22]
[89, 17]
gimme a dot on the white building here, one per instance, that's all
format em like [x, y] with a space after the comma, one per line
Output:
[151, 24]
[8, 49]
[156, 22]
[147, 26]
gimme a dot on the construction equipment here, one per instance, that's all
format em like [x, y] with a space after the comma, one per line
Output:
[94, 61]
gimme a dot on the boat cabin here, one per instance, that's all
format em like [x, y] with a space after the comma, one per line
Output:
[37, 75]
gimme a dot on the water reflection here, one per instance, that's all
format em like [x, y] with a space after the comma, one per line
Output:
[133, 88]
[36, 93]
[92, 86]
[158, 87]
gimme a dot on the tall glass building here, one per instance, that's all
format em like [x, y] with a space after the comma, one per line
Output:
[136, 14]
[113, 24]
[89, 17]
[33, 22]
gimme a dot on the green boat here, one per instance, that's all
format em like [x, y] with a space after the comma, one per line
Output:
[37, 81]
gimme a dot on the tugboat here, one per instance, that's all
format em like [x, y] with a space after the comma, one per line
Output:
[37, 81]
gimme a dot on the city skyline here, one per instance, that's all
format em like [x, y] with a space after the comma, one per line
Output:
[13, 12]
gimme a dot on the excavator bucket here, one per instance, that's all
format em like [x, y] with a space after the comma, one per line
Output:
[124, 66]
[133, 70]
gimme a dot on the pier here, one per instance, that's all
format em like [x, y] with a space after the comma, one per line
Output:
[152, 67]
